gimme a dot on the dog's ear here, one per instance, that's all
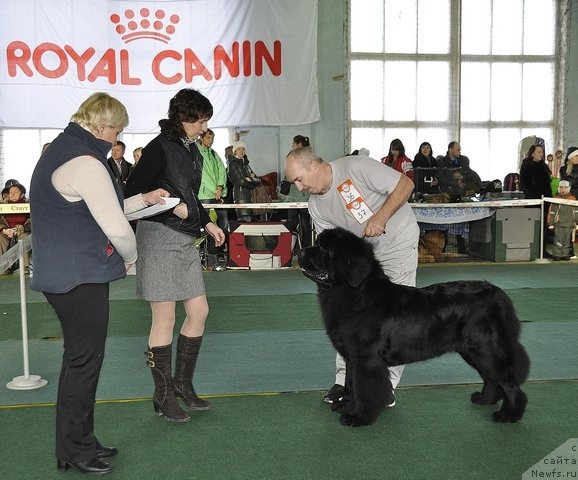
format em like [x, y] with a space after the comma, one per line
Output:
[359, 268]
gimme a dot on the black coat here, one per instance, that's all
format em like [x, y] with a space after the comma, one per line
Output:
[124, 172]
[535, 179]
[239, 170]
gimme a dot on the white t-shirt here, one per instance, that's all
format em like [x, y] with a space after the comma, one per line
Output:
[374, 181]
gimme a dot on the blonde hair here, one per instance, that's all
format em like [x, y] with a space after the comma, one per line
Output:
[101, 109]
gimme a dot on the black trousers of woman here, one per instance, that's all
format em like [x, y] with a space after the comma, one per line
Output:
[83, 313]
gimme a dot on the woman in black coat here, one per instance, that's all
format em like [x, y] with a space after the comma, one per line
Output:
[535, 175]
[243, 179]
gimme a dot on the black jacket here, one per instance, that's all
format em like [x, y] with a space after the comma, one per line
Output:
[535, 179]
[239, 169]
[167, 163]
[121, 175]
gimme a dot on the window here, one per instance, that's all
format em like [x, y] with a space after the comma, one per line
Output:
[478, 71]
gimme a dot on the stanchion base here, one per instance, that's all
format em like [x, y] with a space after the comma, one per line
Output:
[542, 260]
[30, 383]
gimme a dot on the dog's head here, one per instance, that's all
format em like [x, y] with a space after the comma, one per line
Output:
[339, 258]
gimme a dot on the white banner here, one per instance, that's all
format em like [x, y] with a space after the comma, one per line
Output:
[256, 60]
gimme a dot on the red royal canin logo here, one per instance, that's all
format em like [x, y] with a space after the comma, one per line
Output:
[144, 25]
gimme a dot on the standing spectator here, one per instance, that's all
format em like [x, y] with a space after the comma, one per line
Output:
[300, 141]
[213, 187]
[119, 166]
[397, 159]
[387, 222]
[425, 170]
[563, 220]
[169, 266]
[569, 171]
[243, 179]
[534, 174]
[81, 242]
[300, 216]
[136, 154]
[535, 182]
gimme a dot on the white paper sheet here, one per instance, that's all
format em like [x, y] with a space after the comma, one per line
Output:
[171, 202]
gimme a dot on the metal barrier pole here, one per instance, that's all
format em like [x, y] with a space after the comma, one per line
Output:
[26, 381]
[542, 259]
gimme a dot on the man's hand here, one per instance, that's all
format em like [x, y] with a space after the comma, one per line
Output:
[373, 228]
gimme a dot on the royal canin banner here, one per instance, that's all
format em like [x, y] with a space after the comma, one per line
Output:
[256, 60]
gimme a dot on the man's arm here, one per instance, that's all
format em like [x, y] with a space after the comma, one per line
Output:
[395, 200]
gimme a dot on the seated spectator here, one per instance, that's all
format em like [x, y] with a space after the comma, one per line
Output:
[14, 226]
[397, 159]
[243, 179]
[452, 183]
[425, 170]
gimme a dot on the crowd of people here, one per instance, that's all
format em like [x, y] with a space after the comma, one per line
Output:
[450, 173]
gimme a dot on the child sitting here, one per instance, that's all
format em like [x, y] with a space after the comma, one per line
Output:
[562, 219]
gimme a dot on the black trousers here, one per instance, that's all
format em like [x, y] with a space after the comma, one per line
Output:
[83, 313]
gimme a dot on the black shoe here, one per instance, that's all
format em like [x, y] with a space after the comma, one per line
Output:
[104, 452]
[94, 465]
[334, 394]
[390, 402]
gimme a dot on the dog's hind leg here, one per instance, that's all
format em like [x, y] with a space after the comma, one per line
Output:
[515, 400]
[490, 393]
[513, 407]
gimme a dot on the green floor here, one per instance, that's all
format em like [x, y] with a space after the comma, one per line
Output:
[264, 336]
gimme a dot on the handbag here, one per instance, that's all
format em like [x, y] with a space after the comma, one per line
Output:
[259, 195]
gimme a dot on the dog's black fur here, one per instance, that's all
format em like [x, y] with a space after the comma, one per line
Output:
[374, 323]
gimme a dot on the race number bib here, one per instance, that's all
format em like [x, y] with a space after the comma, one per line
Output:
[354, 201]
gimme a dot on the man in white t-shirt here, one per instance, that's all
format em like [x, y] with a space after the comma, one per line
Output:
[369, 199]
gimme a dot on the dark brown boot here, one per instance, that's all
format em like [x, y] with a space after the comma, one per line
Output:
[164, 400]
[187, 354]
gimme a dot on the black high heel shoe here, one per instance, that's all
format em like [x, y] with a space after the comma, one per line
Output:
[104, 452]
[94, 465]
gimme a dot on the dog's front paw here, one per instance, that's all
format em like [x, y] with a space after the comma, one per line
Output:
[477, 398]
[351, 421]
[480, 399]
[341, 406]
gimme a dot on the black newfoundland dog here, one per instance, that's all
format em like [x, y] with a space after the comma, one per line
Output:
[374, 323]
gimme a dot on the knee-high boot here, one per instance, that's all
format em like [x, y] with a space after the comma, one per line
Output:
[164, 400]
[187, 354]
